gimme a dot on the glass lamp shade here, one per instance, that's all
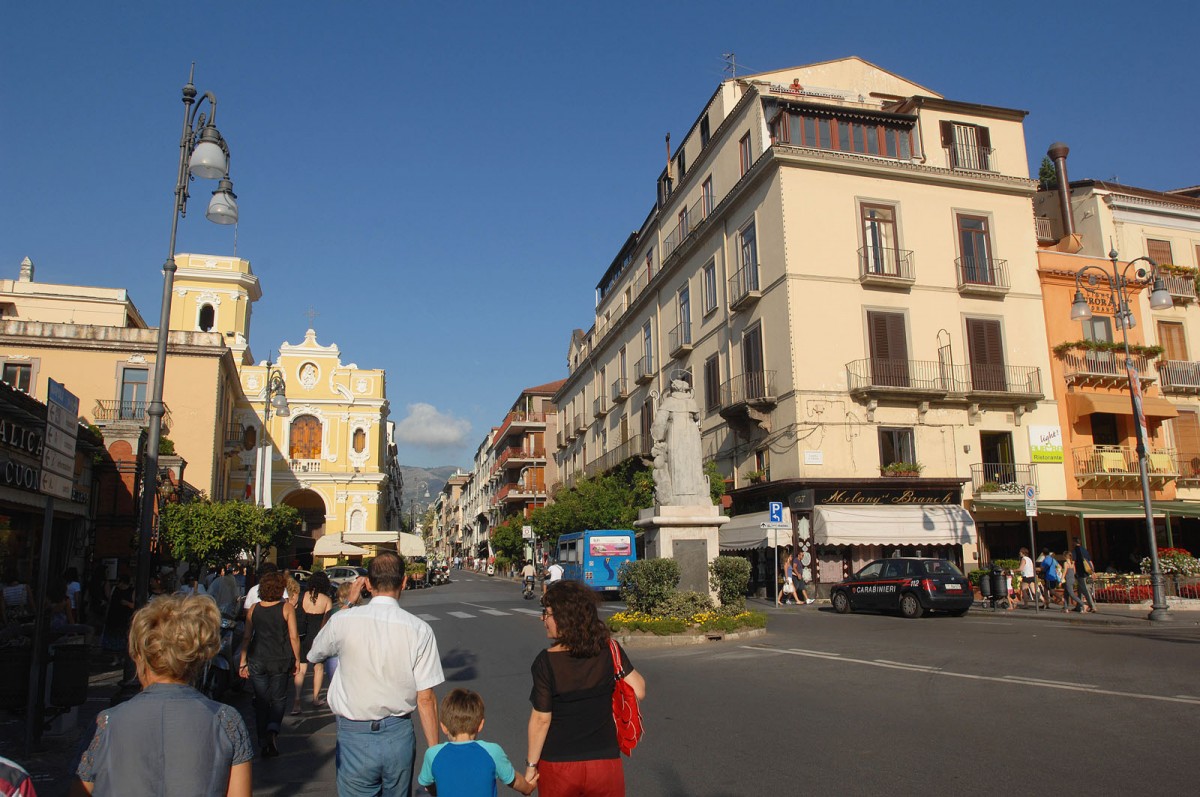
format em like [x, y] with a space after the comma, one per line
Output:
[1160, 297]
[1079, 308]
[208, 159]
[222, 208]
[279, 403]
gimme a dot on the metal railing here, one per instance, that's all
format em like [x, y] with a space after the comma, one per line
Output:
[520, 417]
[884, 263]
[743, 284]
[1002, 477]
[644, 369]
[680, 337]
[939, 377]
[1180, 286]
[599, 406]
[107, 410]
[1045, 229]
[1107, 461]
[235, 434]
[636, 446]
[1110, 364]
[985, 378]
[1189, 466]
[620, 390]
[748, 388]
[1179, 375]
[971, 157]
[981, 272]
[689, 220]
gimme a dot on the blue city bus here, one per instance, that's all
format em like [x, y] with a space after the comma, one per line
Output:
[595, 556]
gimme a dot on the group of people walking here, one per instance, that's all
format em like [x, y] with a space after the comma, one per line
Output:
[387, 668]
[1066, 583]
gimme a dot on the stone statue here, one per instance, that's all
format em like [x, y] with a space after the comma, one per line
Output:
[679, 478]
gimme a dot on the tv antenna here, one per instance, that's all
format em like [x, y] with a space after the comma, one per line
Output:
[730, 63]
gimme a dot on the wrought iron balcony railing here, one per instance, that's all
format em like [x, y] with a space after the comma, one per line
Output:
[1103, 367]
[1002, 477]
[1181, 286]
[620, 390]
[880, 265]
[743, 286]
[679, 339]
[1179, 376]
[1105, 463]
[753, 387]
[981, 274]
[970, 157]
[135, 411]
[936, 378]
[644, 371]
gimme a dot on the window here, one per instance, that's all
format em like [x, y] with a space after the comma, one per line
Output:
[762, 462]
[664, 189]
[305, 438]
[685, 315]
[896, 445]
[975, 264]
[888, 345]
[879, 240]
[681, 163]
[705, 134]
[712, 383]
[647, 348]
[710, 286]
[706, 192]
[1159, 251]
[748, 257]
[649, 263]
[1104, 429]
[647, 420]
[622, 370]
[207, 317]
[967, 146]
[986, 350]
[19, 375]
[1170, 337]
[360, 441]
[781, 129]
[754, 379]
[744, 151]
[1098, 328]
[133, 394]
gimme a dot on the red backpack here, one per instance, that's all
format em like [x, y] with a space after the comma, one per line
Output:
[626, 714]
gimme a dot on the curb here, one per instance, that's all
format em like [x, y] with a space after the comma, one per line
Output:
[679, 640]
[1179, 619]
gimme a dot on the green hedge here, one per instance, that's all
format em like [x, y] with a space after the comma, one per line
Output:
[729, 577]
[648, 583]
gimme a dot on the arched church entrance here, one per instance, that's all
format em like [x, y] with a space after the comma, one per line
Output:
[311, 507]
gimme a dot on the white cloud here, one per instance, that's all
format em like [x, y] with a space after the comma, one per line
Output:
[425, 426]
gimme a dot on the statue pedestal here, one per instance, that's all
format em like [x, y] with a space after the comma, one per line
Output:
[687, 534]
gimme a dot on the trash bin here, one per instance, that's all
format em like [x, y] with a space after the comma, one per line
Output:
[999, 584]
[985, 586]
[68, 675]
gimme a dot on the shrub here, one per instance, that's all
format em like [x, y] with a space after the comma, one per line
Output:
[729, 577]
[502, 564]
[1007, 564]
[647, 583]
[976, 575]
[683, 605]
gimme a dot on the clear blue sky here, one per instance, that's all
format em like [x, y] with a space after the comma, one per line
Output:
[446, 182]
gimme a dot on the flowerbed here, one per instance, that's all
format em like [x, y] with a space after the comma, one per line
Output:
[702, 622]
[1120, 593]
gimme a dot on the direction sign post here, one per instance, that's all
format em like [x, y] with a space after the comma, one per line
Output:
[1030, 514]
[775, 521]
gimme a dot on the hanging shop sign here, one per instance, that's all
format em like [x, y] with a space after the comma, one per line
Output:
[19, 438]
[1045, 444]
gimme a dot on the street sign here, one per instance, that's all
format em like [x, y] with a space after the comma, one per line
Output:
[775, 510]
[1030, 501]
[527, 532]
[58, 449]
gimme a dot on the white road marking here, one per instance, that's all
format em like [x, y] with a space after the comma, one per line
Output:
[1194, 701]
[906, 665]
[428, 617]
[495, 612]
[534, 612]
[814, 652]
[1046, 681]
[461, 615]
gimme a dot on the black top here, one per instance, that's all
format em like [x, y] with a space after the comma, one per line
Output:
[270, 644]
[577, 692]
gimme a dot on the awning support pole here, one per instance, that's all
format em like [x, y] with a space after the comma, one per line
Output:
[1170, 536]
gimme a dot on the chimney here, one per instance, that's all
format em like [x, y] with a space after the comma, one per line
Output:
[26, 271]
[1058, 153]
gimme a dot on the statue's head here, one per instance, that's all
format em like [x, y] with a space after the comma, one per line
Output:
[680, 386]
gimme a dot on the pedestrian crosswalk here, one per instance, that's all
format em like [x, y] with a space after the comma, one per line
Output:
[477, 611]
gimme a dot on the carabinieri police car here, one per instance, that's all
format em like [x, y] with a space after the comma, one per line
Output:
[909, 585]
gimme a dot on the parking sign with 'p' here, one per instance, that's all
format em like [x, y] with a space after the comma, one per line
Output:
[775, 509]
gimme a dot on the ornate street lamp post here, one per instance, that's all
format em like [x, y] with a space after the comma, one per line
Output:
[1119, 282]
[202, 153]
[274, 396]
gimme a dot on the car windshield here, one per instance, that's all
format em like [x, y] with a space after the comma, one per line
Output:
[940, 567]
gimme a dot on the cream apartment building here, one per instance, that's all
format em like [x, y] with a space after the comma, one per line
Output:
[843, 264]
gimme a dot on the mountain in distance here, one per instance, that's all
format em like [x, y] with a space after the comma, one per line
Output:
[435, 478]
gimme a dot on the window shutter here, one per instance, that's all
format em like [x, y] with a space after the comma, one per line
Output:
[1185, 434]
[982, 137]
[1159, 251]
[947, 129]
[987, 354]
[1170, 335]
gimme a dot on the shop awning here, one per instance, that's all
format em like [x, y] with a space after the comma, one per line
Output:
[745, 532]
[1097, 509]
[893, 525]
[333, 545]
[1088, 403]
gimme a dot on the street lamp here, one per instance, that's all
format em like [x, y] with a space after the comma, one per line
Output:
[275, 396]
[202, 153]
[1119, 282]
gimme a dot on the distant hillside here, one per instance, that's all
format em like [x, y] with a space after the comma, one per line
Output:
[434, 477]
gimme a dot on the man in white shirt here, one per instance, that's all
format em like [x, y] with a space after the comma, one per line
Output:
[553, 573]
[252, 593]
[388, 664]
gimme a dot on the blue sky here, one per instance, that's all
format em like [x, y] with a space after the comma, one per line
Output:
[446, 182]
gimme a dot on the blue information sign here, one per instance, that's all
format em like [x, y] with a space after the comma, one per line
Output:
[775, 509]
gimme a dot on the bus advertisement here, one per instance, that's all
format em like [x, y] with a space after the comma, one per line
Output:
[595, 556]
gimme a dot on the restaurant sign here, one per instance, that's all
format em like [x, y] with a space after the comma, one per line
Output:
[884, 496]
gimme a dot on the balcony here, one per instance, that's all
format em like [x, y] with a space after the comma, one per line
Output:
[1002, 478]
[1117, 466]
[749, 398]
[305, 465]
[519, 454]
[560, 438]
[636, 446]
[570, 430]
[599, 406]
[679, 339]
[743, 287]
[930, 379]
[517, 491]
[1182, 287]
[689, 219]
[643, 370]
[1179, 376]
[982, 276]
[1189, 469]
[886, 268]
[970, 158]
[1099, 368]
[107, 412]
[521, 420]
[1046, 233]
[236, 434]
[620, 390]
[578, 425]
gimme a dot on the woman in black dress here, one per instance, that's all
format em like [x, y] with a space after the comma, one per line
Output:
[311, 616]
[572, 737]
[269, 656]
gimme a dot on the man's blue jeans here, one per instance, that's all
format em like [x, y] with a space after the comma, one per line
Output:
[375, 759]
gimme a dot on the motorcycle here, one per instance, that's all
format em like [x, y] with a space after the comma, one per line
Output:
[527, 592]
[439, 575]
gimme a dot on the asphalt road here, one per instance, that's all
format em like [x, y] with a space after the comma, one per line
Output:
[825, 703]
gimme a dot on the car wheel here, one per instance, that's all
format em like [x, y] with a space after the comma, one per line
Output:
[910, 606]
[841, 603]
[959, 612]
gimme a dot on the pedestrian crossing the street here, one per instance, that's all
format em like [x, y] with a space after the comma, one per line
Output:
[477, 611]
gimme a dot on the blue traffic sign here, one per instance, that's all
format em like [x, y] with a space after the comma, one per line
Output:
[775, 509]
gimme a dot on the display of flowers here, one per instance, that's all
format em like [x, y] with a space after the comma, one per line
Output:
[1174, 562]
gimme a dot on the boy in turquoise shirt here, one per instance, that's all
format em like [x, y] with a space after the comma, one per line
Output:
[465, 766]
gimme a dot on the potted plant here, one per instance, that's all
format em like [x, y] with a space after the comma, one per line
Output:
[903, 469]
[754, 476]
[989, 487]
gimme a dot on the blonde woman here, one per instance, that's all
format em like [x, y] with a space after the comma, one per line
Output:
[169, 739]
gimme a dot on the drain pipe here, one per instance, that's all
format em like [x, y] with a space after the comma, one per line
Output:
[1058, 153]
